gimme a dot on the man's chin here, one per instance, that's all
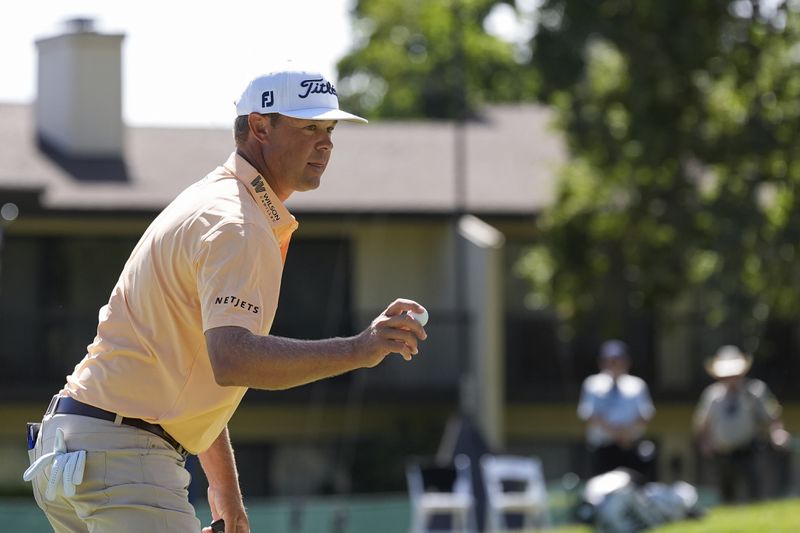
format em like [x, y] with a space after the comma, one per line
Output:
[310, 183]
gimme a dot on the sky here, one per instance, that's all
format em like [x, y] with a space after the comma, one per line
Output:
[185, 62]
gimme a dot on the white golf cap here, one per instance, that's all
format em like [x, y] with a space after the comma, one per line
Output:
[294, 93]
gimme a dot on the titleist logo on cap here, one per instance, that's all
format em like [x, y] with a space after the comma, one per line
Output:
[317, 86]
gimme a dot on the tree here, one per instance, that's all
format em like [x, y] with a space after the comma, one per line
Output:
[420, 58]
[682, 123]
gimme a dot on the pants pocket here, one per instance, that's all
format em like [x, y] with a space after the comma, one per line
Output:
[34, 451]
[32, 434]
[162, 469]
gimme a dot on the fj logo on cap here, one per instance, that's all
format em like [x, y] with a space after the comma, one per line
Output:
[317, 86]
[267, 99]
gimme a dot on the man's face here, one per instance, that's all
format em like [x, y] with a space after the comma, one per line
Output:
[616, 366]
[297, 154]
[732, 382]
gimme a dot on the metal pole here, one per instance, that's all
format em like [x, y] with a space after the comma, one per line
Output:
[8, 214]
[459, 210]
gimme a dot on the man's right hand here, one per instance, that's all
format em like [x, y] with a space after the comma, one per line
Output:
[393, 331]
[780, 439]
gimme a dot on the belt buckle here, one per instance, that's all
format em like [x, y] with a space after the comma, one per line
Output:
[181, 450]
[53, 405]
[175, 444]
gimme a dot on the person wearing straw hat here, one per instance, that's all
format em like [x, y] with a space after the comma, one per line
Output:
[616, 407]
[731, 416]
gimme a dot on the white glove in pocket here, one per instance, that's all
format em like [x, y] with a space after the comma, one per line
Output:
[67, 466]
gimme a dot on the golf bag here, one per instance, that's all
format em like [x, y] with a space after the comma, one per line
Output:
[618, 502]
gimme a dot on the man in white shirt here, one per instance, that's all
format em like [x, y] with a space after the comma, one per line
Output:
[733, 413]
[616, 408]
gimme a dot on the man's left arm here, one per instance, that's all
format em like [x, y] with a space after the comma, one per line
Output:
[770, 413]
[224, 494]
[645, 404]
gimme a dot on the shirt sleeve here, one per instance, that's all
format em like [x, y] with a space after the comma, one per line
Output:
[702, 410]
[646, 407]
[768, 407]
[586, 403]
[238, 278]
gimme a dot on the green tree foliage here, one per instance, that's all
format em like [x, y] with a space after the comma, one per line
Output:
[414, 59]
[682, 122]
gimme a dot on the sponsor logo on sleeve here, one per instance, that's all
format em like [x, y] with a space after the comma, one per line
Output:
[263, 196]
[236, 302]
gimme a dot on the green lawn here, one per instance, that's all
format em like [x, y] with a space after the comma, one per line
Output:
[772, 517]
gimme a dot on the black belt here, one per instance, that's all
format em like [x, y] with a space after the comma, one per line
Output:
[69, 406]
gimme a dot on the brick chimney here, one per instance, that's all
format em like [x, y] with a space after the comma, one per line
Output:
[79, 92]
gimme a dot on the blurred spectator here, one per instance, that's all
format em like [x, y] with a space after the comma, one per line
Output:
[732, 415]
[616, 408]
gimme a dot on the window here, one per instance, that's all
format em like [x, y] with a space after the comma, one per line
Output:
[315, 303]
[536, 364]
[51, 289]
[315, 290]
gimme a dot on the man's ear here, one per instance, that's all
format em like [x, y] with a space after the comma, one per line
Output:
[259, 126]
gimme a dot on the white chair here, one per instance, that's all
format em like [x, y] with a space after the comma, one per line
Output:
[437, 489]
[514, 485]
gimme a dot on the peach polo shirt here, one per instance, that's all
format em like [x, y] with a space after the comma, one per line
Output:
[214, 257]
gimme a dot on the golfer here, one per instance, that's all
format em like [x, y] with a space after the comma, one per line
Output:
[186, 330]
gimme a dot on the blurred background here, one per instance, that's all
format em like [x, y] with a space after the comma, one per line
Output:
[542, 175]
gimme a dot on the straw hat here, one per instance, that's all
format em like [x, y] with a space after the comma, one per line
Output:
[729, 361]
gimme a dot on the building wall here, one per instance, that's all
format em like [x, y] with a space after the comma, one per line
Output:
[402, 259]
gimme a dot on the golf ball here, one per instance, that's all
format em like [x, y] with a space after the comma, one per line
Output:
[422, 317]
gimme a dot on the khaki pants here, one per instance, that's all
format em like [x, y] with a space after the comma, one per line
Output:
[133, 480]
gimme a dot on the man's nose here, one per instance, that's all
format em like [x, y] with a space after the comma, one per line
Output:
[326, 143]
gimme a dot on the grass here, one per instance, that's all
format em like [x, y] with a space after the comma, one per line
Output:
[772, 517]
